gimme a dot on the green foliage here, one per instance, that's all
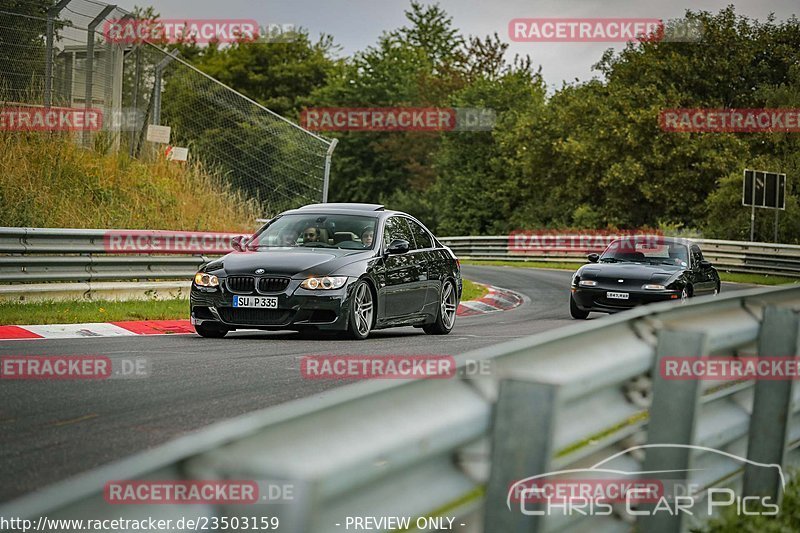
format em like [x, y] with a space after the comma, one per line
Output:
[590, 155]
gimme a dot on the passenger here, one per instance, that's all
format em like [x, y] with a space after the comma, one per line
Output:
[287, 237]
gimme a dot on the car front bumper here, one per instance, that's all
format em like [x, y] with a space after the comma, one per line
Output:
[297, 309]
[596, 299]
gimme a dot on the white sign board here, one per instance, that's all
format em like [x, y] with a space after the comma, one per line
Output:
[176, 153]
[158, 134]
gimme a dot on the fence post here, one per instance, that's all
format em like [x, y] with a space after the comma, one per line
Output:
[327, 175]
[52, 13]
[772, 406]
[522, 445]
[673, 417]
[88, 90]
[135, 99]
[157, 85]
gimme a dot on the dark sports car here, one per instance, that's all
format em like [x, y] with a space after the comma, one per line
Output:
[639, 270]
[344, 267]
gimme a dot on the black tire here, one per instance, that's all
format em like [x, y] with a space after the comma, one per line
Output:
[575, 311]
[446, 315]
[718, 289]
[210, 331]
[362, 312]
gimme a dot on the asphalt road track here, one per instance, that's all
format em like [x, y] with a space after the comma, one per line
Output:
[50, 430]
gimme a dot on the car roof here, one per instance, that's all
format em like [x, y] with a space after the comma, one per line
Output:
[661, 239]
[341, 206]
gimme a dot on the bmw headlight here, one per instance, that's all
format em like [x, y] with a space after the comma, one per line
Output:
[587, 283]
[201, 279]
[324, 283]
[653, 287]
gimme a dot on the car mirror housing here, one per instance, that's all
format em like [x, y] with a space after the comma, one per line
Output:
[238, 243]
[593, 258]
[398, 246]
[705, 264]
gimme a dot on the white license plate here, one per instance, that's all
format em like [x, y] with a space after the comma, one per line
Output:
[617, 295]
[261, 302]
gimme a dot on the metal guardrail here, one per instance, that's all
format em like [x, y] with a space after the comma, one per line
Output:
[81, 255]
[562, 399]
[729, 256]
[30, 255]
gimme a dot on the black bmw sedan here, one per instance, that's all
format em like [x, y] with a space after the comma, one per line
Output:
[638, 270]
[342, 267]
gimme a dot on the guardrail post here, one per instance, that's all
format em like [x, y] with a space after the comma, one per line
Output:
[772, 406]
[673, 417]
[522, 445]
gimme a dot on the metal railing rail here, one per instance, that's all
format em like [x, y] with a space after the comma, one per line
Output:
[566, 398]
[729, 256]
[52, 254]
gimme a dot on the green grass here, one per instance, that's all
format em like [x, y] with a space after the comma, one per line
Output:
[732, 277]
[75, 312]
[48, 181]
[473, 291]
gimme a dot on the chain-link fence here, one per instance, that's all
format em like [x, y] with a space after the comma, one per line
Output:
[57, 53]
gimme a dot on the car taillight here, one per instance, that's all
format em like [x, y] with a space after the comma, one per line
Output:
[458, 263]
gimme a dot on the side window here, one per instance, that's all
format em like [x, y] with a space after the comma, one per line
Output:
[421, 236]
[697, 256]
[396, 228]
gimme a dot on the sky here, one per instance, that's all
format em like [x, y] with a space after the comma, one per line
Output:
[356, 24]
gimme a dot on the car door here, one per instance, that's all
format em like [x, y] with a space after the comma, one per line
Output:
[404, 286]
[433, 270]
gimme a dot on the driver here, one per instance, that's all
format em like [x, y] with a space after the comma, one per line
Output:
[367, 237]
[678, 255]
[311, 234]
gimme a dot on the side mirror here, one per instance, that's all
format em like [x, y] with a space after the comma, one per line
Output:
[593, 258]
[238, 243]
[705, 264]
[398, 246]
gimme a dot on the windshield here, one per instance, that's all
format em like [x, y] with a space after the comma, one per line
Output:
[352, 232]
[662, 253]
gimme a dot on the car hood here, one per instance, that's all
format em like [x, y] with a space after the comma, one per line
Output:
[629, 271]
[289, 262]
